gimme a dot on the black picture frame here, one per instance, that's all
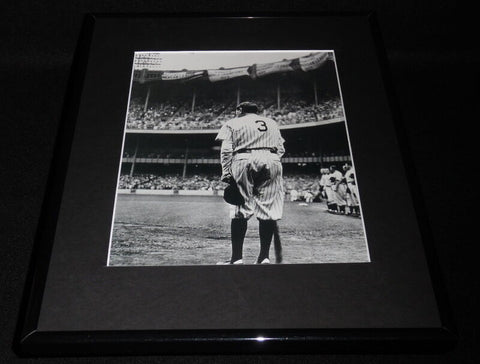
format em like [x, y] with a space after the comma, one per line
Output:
[74, 305]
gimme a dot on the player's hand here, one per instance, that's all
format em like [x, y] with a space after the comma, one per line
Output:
[227, 178]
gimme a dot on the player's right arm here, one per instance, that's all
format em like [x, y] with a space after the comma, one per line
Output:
[226, 152]
[226, 156]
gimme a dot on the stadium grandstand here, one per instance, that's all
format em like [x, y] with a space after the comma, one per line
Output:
[174, 115]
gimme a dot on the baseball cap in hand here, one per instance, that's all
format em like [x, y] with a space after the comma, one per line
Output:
[232, 195]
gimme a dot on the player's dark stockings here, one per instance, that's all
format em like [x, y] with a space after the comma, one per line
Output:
[277, 244]
[266, 228]
[238, 231]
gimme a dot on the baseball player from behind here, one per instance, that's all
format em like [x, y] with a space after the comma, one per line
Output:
[250, 155]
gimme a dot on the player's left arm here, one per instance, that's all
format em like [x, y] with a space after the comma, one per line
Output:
[280, 148]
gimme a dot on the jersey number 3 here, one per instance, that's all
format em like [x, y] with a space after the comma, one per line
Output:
[263, 126]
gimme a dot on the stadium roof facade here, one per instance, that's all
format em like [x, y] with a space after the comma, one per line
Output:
[147, 68]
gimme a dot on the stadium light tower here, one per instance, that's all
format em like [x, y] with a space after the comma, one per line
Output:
[151, 61]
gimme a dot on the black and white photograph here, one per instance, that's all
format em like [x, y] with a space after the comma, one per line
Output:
[236, 157]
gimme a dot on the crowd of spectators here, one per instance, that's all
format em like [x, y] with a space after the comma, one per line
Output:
[177, 114]
[329, 109]
[204, 116]
[172, 153]
[300, 182]
[209, 154]
[155, 115]
[171, 182]
[295, 111]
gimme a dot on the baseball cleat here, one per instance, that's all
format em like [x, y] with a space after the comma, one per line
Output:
[265, 261]
[227, 262]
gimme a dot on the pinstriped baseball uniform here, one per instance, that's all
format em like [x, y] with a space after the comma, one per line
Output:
[246, 155]
[328, 189]
[352, 186]
[339, 190]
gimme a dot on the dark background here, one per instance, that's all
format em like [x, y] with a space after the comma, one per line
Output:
[433, 56]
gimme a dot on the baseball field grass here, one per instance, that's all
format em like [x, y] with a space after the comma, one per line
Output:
[195, 230]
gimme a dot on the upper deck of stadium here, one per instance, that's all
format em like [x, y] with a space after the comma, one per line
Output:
[298, 93]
